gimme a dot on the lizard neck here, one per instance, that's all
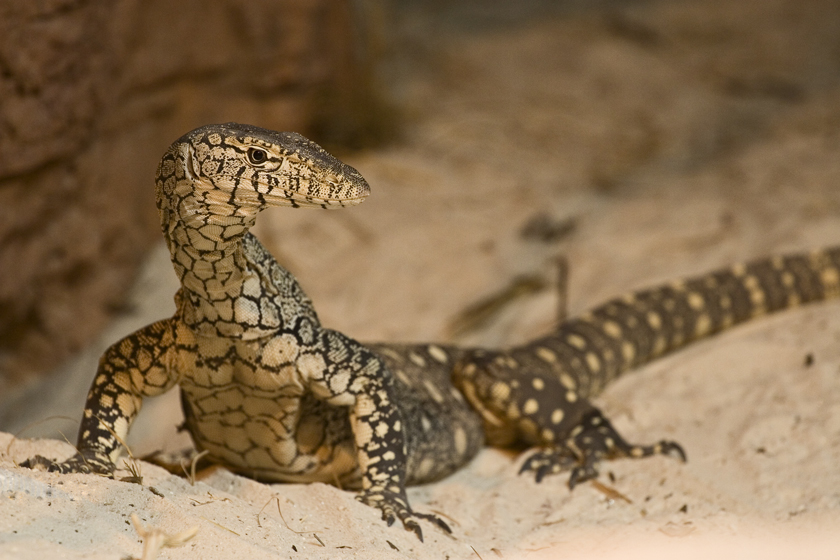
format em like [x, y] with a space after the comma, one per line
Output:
[222, 292]
[212, 274]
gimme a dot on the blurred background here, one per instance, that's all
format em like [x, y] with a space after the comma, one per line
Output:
[639, 140]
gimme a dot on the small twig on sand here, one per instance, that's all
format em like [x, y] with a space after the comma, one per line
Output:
[155, 539]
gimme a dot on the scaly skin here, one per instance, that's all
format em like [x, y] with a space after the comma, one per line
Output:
[266, 390]
[538, 394]
[270, 393]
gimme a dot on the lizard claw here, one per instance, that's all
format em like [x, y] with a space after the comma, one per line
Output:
[592, 441]
[544, 462]
[83, 462]
[394, 505]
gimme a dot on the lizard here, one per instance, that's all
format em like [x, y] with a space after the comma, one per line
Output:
[271, 394]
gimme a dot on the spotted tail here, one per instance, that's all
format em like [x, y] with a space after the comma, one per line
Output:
[591, 350]
[538, 393]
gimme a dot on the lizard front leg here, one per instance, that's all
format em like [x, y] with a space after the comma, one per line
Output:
[354, 376]
[138, 366]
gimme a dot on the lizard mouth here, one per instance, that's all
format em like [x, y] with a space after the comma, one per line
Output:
[324, 194]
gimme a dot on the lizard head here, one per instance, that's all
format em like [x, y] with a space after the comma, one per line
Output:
[224, 174]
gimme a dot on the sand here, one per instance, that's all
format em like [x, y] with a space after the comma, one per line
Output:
[676, 137]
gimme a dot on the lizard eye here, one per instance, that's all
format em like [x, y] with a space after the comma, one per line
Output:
[257, 156]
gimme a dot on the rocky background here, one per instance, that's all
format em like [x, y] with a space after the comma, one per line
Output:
[91, 94]
[638, 140]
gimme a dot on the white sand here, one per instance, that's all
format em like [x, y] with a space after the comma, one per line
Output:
[527, 121]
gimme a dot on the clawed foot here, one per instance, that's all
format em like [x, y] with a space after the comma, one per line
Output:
[86, 462]
[592, 441]
[394, 505]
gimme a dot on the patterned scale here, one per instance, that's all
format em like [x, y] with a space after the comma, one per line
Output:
[269, 392]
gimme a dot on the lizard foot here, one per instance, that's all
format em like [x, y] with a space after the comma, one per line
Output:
[394, 505]
[84, 462]
[592, 441]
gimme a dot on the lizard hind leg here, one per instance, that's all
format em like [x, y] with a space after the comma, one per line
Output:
[524, 403]
[593, 440]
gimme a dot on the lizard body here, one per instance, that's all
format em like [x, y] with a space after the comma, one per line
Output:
[272, 394]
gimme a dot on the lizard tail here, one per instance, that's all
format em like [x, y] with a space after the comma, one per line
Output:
[591, 350]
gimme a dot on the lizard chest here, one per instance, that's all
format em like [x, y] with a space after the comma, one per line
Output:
[247, 404]
[242, 400]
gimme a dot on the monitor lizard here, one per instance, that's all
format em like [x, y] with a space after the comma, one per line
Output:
[270, 393]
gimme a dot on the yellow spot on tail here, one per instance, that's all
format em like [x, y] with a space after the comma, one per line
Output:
[437, 353]
[739, 270]
[425, 423]
[567, 381]
[829, 277]
[460, 441]
[788, 279]
[557, 416]
[612, 329]
[425, 467]
[538, 383]
[593, 362]
[433, 391]
[500, 391]
[659, 346]
[531, 406]
[751, 282]
[628, 351]
[696, 301]
[654, 320]
[403, 377]
[577, 341]
[703, 325]
[417, 359]
[546, 355]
